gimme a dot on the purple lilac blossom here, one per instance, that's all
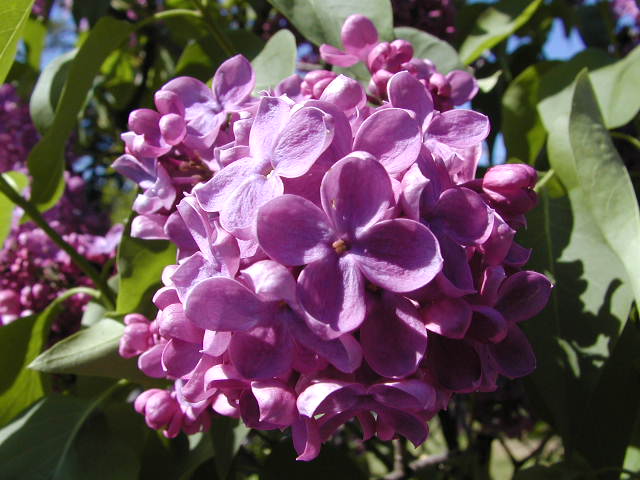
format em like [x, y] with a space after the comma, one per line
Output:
[341, 261]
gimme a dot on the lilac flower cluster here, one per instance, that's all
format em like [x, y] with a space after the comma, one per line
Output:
[384, 59]
[342, 261]
[33, 270]
[436, 17]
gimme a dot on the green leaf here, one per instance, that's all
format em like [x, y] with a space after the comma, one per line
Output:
[18, 181]
[20, 342]
[39, 444]
[34, 35]
[92, 351]
[588, 308]
[614, 405]
[140, 265]
[616, 87]
[605, 180]
[13, 16]
[428, 46]
[320, 21]
[46, 161]
[524, 133]
[276, 61]
[47, 91]
[227, 435]
[495, 24]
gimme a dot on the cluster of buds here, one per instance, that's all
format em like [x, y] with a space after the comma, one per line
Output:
[337, 260]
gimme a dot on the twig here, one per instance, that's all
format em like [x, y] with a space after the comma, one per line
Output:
[399, 471]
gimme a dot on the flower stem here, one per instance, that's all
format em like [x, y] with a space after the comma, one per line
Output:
[81, 262]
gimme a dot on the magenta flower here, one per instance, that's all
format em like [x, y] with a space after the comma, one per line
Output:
[346, 242]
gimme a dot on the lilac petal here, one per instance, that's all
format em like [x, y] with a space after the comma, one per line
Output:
[141, 171]
[331, 290]
[233, 82]
[405, 91]
[337, 57]
[392, 136]
[291, 87]
[405, 394]
[241, 209]
[263, 352]
[150, 362]
[517, 257]
[459, 128]
[213, 195]
[449, 317]
[488, 325]
[271, 281]
[345, 93]
[344, 352]
[367, 424]
[179, 358]
[276, 403]
[293, 231]
[223, 304]
[359, 35]
[410, 426]
[497, 246]
[149, 227]
[463, 86]
[306, 438]
[191, 271]
[198, 223]
[513, 357]
[351, 204]
[306, 135]
[455, 363]
[179, 233]
[194, 389]
[492, 278]
[173, 323]
[400, 255]
[328, 396]
[464, 216]
[414, 183]
[393, 338]
[270, 119]
[523, 295]
[168, 102]
[456, 279]
[342, 137]
[215, 343]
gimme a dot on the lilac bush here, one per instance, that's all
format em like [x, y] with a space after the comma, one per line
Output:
[336, 260]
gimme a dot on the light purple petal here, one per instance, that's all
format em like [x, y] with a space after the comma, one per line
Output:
[345, 93]
[314, 396]
[140, 171]
[331, 290]
[271, 281]
[270, 119]
[352, 204]
[191, 271]
[306, 438]
[306, 135]
[262, 352]
[392, 136]
[359, 35]
[276, 403]
[179, 358]
[241, 208]
[213, 195]
[463, 216]
[293, 231]
[449, 317]
[405, 394]
[150, 362]
[463, 86]
[459, 128]
[215, 343]
[233, 82]
[337, 57]
[223, 304]
[149, 226]
[198, 223]
[400, 255]
[405, 91]
[172, 323]
[410, 426]
[523, 295]
[393, 337]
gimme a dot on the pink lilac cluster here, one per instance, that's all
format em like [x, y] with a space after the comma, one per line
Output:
[384, 59]
[436, 17]
[18, 135]
[341, 262]
[34, 269]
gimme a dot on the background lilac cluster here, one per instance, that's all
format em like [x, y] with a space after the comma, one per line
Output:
[33, 269]
[335, 259]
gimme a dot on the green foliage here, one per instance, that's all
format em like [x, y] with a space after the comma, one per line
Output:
[140, 265]
[438, 51]
[46, 161]
[18, 181]
[227, 434]
[495, 24]
[276, 61]
[13, 16]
